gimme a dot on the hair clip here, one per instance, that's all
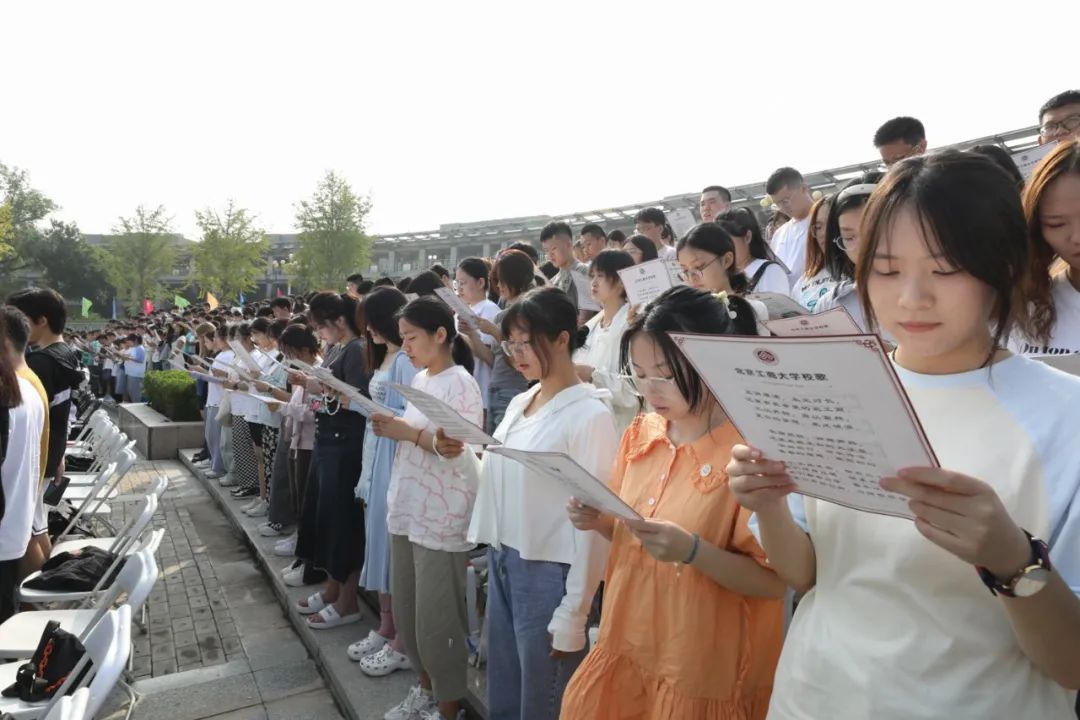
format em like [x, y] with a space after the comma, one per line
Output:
[722, 297]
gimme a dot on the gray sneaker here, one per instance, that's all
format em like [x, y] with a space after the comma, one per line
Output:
[227, 481]
[413, 707]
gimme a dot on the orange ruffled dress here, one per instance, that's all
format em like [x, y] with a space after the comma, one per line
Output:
[674, 643]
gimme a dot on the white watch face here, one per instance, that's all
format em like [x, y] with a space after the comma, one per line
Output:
[1031, 582]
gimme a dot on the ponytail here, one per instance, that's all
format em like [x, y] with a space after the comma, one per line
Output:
[462, 353]
[430, 314]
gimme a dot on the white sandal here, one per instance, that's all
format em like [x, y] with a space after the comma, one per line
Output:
[315, 604]
[331, 619]
[369, 645]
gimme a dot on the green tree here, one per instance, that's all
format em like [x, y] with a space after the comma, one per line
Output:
[232, 255]
[332, 242]
[25, 208]
[142, 250]
[72, 266]
[7, 231]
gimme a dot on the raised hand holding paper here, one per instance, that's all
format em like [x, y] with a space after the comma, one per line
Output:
[245, 357]
[830, 408]
[463, 311]
[445, 417]
[583, 288]
[647, 281]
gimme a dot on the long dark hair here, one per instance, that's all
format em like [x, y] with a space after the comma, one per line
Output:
[837, 261]
[380, 308]
[326, 307]
[740, 221]
[430, 314]
[10, 396]
[713, 239]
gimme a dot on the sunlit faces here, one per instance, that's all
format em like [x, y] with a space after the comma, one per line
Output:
[898, 150]
[592, 245]
[849, 240]
[331, 332]
[559, 250]
[604, 288]
[650, 230]
[939, 316]
[653, 379]
[1059, 216]
[519, 351]
[704, 270]
[421, 347]
[1060, 123]
[634, 251]
[470, 289]
[712, 203]
[793, 200]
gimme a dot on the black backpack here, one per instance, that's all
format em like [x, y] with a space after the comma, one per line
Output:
[57, 653]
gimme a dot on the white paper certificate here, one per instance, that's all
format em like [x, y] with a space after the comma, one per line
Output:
[576, 480]
[831, 322]
[245, 357]
[681, 221]
[1026, 160]
[831, 408]
[779, 306]
[205, 378]
[583, 288]
[445, 417]
[647, 281]
[463, 311]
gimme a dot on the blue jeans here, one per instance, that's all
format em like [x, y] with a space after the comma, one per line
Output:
[524, 682]
[498, 400]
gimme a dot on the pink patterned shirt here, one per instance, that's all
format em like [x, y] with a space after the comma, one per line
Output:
[430, 500]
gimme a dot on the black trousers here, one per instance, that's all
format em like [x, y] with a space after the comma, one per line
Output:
[9, 585]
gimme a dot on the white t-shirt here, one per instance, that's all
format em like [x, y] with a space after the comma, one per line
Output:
[773, 279]
[1065, 336]
[215, 392]
[899, 629]
[21, 472]
[601, 353]
[667, 253]
[481, 370]
[809, 291]
[789, 244]
[430, 499]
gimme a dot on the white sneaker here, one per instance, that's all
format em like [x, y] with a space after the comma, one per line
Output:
[227, 481]
[434, 714]
[369, 645]
[261, 509]
[270, 530]
[215, 475]
[384, 662]
[251, 505]
[286, 547]
[418, 701]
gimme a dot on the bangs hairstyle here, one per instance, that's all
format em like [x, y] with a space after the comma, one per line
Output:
[1038, 285]
[380, 307]
[738, 222]
[970, 209]
[429, 314]
[837, 261]
[713, 239]
[326, 307]
[544, 314]
[645, 245]
[514, 270]
[299, 337]
[815, 256]
[608, 263]
[689, 310]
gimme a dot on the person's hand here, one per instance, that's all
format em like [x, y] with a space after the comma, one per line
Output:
[274, 407]
[262, 386]
[488, 328]
[297, 378]
[665, 541]
[582, 516]
[584, 373]
[759, 484]
[218, 373]
[446, 446]
[243, 387]
[963, 516]
[394, 428]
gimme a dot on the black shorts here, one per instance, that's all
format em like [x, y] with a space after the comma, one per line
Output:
[256, 433]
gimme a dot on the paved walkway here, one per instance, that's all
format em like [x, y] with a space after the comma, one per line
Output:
[219, 644]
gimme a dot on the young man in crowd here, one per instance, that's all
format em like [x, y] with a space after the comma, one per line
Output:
[282, 308]
[790, 193]
[715, 199]
[558, 242]
[899, 138]
[593, 240]
[351, 284]
[651, 222]
[1059, 117]
[135, 367]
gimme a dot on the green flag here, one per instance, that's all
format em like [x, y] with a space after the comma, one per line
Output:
[180, 302]
[86, 305]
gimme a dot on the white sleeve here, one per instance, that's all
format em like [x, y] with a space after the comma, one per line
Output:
[774, 280]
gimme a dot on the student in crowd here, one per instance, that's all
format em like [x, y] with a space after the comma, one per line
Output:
[425, 284]
[352, 284]
[843, 244]
[473, 287]
[430, 501]
[332, 532]
[597, 359]
[1059, 118]
[693, 618]
[266, 422]
[280, 515]
[135, 367]
[816, 281]
[651, 222]
[444, 275]
[788, 191]
[707, 258]
[641, 249]
[579, 252]
[1052, 210]
[543, 573]
[776, 220]
[900, 138]
[219, 368]
[753, 256]
[513, 276]
[557, 240]
[616, 239]
[22, 422]
[382, 651]
[593, 240]
[962, 612]
[215, 393]
[282, 308]
[715, 199]
[247, 432]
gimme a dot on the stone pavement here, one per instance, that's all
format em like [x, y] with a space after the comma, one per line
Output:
[219, 645]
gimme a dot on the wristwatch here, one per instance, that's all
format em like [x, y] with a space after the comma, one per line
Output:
[1028, 581]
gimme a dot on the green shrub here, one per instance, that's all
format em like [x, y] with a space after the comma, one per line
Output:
[172, 393]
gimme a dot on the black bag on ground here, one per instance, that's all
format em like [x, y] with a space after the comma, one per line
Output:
[57, 653]
[59, 519]
[77, 571]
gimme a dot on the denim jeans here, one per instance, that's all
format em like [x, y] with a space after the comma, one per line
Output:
[524, 681]
[212, 435]
[498, 400]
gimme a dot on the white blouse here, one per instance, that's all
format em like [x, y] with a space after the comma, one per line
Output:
[601, 353]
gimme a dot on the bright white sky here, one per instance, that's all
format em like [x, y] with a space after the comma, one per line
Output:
[464, 111]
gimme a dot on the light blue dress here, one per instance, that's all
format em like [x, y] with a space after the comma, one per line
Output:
[375, 476]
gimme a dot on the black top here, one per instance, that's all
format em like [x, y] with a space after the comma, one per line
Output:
[57, 366]
[347, 364]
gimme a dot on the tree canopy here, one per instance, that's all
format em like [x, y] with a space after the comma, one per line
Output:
[332, 242]
[231, 257]
[142, 251]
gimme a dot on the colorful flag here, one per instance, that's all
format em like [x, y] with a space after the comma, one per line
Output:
[86, 305]
[241, 298]
[180, 302]
[147, 306]
[211, 301]
[280, 293]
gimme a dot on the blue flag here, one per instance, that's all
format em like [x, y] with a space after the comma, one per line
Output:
[114, 308]
[241, 297]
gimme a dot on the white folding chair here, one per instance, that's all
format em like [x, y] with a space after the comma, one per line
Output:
[91, 502]
[108, 645]
[71, 707]
[100, 444]
[112, 443]
[80, 484]
[93, 425]
[19, 634]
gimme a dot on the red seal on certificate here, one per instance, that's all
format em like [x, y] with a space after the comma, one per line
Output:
[765, 357]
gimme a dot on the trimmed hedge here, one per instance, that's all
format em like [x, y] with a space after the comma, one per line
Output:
[172, 393]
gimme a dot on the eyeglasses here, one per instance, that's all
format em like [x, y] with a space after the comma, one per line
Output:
[661, 384]
[695, 274]
[1061, 127]
[846, 244]
[515, 347]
